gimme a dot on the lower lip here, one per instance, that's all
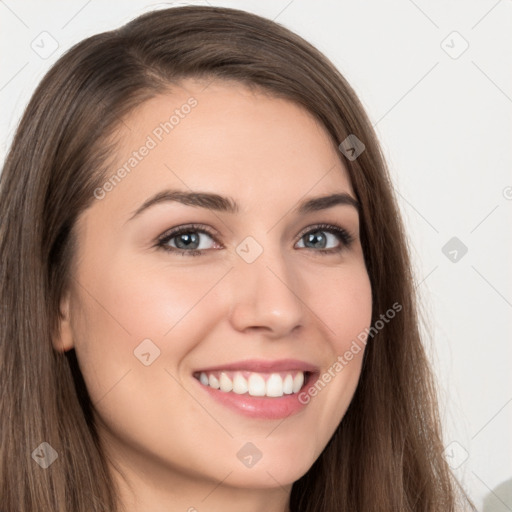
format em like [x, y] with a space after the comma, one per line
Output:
[269, 408]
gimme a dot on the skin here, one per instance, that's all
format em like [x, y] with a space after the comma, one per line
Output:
[170, 446]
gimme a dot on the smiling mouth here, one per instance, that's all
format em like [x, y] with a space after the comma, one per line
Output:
[257, 384]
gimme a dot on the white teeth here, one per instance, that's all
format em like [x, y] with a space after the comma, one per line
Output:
[213, 382]
[288, 385]
[255, 385]
[225, 383]
[298, 381]
[275, 385]
[240, 385]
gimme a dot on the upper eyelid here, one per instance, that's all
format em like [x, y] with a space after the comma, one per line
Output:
[321, 226]
[171, 233]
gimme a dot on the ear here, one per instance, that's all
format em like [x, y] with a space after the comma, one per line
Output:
[63, 340]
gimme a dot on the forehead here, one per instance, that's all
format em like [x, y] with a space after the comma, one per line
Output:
[226, 138]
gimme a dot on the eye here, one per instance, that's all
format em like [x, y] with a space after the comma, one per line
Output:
[193, 239]
[189, 240]
[325, 239]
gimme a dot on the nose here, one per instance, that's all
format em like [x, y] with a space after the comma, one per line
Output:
[266, 296]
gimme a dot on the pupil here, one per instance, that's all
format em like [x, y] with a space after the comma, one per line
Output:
[317, 239]
[186, 240]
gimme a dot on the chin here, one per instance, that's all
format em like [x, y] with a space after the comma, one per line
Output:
[276, 467]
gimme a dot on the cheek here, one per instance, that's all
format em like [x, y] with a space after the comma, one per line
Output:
[133, 302]
[130, 315]
[133, 328]
[343, 301]
[345, 309]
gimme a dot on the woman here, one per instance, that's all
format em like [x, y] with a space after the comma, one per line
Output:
[281, 367]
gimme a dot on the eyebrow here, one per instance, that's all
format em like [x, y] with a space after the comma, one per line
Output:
[229, 205]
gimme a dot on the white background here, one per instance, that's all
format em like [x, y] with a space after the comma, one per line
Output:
[445, 125]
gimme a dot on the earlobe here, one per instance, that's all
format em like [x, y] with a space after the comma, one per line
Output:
[63, 340]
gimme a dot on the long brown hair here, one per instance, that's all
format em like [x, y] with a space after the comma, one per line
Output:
[386, 454]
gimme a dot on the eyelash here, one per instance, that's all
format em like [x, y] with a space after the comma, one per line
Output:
[344, 236]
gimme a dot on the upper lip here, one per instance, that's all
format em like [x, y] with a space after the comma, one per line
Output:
[262, 365]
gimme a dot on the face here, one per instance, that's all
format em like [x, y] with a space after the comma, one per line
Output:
[248, 284]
